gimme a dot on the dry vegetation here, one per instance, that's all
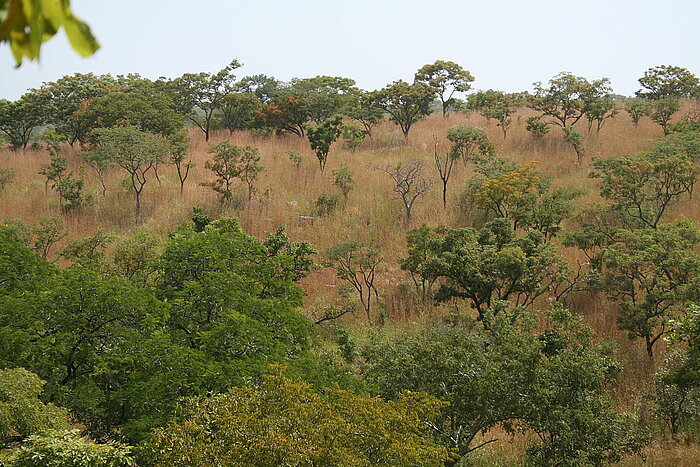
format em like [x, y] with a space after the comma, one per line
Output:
[371, 214]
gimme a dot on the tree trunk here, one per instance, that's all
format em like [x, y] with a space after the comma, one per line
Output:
[650, 346]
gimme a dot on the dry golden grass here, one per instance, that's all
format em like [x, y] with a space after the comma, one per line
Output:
[371, 214]
[284, 193]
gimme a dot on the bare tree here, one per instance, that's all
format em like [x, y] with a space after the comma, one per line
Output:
[356, 263]
[444, 164]
[409, 183]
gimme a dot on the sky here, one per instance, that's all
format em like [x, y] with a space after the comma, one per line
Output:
[505, 44]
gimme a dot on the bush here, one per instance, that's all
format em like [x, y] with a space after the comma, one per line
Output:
[69, 449]
[6, 176]
[326, 204]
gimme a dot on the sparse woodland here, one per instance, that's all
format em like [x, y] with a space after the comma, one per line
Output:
[230, 270]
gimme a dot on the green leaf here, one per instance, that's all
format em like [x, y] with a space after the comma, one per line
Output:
[80, 37]
[27, 24]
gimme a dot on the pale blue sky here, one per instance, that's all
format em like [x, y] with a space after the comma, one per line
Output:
[506, 44]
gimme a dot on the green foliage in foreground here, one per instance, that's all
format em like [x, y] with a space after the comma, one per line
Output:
[26, 25]
[283, 422]
[119, 342]
[512, 374]
[22, 413]
[68, 449]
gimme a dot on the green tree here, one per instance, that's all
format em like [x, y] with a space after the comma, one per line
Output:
[536, 126]
[69, 189]
[662, 110]
[683, 139]
[26, 25]
[237, 311]
[405, 103]
[55, 170]
[47, 232]
[638, 108]
[681, 375]
[20, 267]
[264, 87]
[101, 162]
[664, 86]
[201, 95]
[511, 195]
[284, 422]
[231, 162]
[68, 98]
[364, 111]
[22, 412]
[88, 252]
[225, 167]
[238, 111]
[322, 136]
[420, 260]
[446, 78]
[250, 170]
[653, 275]
[342, 178]
[642, 186]
[353, 135]
[71, 330]
[524, 373]
[600, 110]
[135, 151]
[135, 258]
[523, 196]
[496, 105]
[146, 110]
[120, 358]
[489, 265]
[180, 157]
[68, 448]
[469, 141]
[664, 81]
[323, 97]
[224, 252]
[676, 399]
[575, 138]
[18, 119]
[567, 98]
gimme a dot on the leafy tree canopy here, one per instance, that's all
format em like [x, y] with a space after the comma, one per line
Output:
[446, 78]
[405, 103]
[490, 265]
[548, 379]
[284, 422]
[665, 81]
[567, 97]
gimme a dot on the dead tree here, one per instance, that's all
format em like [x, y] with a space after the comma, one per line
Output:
[409, 183]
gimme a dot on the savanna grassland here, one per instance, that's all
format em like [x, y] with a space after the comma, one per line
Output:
[286, 196]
